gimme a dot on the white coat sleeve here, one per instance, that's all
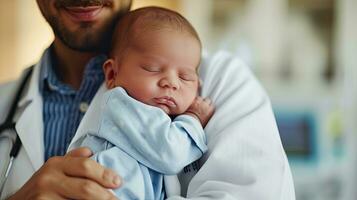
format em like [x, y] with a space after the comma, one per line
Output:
[148, 135]
[245, 158]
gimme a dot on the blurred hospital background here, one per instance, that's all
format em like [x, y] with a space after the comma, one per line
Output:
[304, 52]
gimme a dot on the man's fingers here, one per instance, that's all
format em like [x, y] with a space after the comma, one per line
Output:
[88, 168]
[45, 195]
[80, 152]
[70, 177]
[78, 188]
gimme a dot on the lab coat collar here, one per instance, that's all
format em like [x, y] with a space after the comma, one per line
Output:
[30, 124]
[32, 87]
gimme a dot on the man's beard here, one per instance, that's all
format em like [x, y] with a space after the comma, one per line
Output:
[86, 39]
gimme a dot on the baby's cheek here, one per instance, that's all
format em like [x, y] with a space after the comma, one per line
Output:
[186, 104]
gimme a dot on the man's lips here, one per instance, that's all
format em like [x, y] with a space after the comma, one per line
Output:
[82, 3]
[83, 14]
[168, 101]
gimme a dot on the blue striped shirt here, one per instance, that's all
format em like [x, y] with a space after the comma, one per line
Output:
[63, 106]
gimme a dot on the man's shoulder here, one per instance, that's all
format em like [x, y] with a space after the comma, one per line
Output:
[222, 58]
[7, 91]
[7, 86]
[223, 63]
[219, 55]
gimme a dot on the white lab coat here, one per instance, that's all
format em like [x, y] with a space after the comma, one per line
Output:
[245, 158]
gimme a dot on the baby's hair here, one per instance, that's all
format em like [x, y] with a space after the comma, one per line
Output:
[148, 18]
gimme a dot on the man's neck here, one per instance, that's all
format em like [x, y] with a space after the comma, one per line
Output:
[70, 64]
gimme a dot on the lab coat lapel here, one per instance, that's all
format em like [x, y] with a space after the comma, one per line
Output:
[30, 124]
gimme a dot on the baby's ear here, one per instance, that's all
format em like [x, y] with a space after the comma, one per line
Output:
[110, 73]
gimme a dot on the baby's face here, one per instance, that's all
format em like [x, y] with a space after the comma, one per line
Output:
[159, 69]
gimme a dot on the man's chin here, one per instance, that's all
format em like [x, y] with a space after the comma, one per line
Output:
[87, 43]
[86, 48]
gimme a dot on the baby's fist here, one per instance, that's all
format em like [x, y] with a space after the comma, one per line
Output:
[202, 109]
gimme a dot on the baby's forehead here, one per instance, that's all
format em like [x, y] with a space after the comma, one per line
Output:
[147, 33]
[147, 24]
[136, 26]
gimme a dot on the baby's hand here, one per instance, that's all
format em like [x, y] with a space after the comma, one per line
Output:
[202, 109]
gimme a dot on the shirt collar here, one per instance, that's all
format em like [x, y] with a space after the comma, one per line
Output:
[49, 79]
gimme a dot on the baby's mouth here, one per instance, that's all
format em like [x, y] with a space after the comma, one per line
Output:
[167, 101]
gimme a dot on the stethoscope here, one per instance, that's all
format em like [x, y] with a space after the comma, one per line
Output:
[9, 124]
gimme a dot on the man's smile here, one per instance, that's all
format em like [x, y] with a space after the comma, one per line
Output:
[83, 14]
[82, 3]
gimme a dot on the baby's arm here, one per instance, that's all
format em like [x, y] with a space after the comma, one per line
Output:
[148, 134]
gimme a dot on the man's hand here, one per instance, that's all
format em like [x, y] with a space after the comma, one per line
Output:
[202, 109]
[73, 176]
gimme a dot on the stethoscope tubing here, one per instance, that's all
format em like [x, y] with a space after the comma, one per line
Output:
[9, 124]
[7, 172]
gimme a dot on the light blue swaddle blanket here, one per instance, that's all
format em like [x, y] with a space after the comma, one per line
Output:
[141, 143]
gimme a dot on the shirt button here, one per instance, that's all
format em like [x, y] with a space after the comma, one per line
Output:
[83, 107]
